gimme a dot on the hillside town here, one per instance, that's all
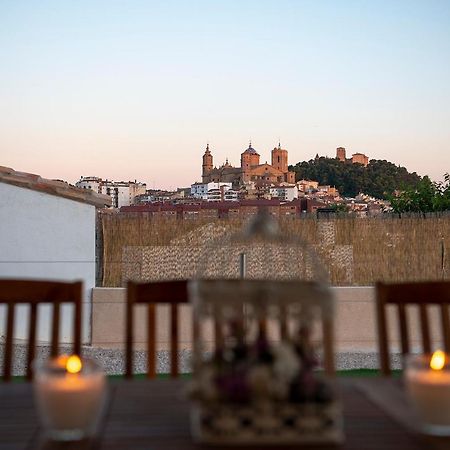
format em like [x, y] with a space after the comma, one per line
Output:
[226, 190]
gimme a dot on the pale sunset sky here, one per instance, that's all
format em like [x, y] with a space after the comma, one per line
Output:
[132, 89]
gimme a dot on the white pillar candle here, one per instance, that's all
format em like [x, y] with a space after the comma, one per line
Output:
[430, 390]
[69, 401]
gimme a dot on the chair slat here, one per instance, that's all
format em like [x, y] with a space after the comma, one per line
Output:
[55, 329]
[382, 330]
[262, 323]
[129, 327]
[7, 364]
[151, 341]
[283, 323]
[218, 335]
[31, 340]
[174, 340]
[403, 325]
[328, 353]
[218, 332]
[425, 328]
[445, 326]
[77, 296]
[196, 337]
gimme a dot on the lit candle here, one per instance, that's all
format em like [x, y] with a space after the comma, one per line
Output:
[69, 395]
[428, 382]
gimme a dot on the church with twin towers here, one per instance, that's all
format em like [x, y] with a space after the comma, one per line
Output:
[250, 169]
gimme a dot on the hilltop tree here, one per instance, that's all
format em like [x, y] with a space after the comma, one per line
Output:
[379, 179]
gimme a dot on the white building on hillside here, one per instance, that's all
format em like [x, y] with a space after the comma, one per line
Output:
[200, 190]
[122, 193]
[285, 192]
[231, 195]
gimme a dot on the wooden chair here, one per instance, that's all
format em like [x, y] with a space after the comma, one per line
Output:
[35, 292]
[402, 294]
[152, 293]
[175, 293]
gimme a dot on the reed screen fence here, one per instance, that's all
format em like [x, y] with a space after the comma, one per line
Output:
[355, 251]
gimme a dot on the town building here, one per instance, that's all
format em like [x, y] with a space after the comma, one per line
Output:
[250, 168]
[122, 193]
[307, 185]
[211, 190]
[284, 192]
[327, 191]
[161, 195]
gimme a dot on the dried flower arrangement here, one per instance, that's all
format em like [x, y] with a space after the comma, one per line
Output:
[261, 392]
[243, 372]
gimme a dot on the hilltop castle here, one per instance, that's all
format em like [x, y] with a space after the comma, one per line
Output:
[250, 169]
[357, 158]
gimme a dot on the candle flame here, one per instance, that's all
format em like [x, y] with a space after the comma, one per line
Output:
[73, 364]
[437, 360]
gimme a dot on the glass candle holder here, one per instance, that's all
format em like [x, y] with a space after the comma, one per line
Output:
[428, 383]
[70, 394]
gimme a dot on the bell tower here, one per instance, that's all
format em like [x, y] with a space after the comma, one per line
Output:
[207, 164]
[280, 159]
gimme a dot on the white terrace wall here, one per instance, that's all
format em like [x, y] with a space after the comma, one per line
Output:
[355, 322]
[51, 237]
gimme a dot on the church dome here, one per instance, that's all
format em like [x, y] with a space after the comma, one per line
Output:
[251, 150]
[227, 165]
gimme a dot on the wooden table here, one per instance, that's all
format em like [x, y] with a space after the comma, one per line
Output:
[155, 415]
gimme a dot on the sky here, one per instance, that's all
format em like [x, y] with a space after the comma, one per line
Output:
[129, 90]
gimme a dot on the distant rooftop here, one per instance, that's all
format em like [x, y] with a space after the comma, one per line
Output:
[52, 187]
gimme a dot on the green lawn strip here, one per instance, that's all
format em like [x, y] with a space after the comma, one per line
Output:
[162, 376]
[339, 373]
[17, 379]
[143, 376]
[364, 373]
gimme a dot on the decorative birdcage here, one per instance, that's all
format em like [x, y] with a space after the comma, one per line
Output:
[259, 301]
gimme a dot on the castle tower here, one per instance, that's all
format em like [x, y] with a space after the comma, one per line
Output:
[207, 165]
[340, 154]
[280, 159]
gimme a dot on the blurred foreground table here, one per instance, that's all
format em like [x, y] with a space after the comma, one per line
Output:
[154, 414]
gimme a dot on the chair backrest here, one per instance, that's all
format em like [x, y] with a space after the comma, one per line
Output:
[174, 293]
[34, 292]
[276, 317]
[152, 293]
[402, 294]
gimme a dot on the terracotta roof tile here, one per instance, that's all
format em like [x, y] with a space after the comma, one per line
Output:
[52, 187]
[4, 169]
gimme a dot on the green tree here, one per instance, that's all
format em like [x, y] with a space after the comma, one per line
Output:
[428, 196]
[339, 208]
